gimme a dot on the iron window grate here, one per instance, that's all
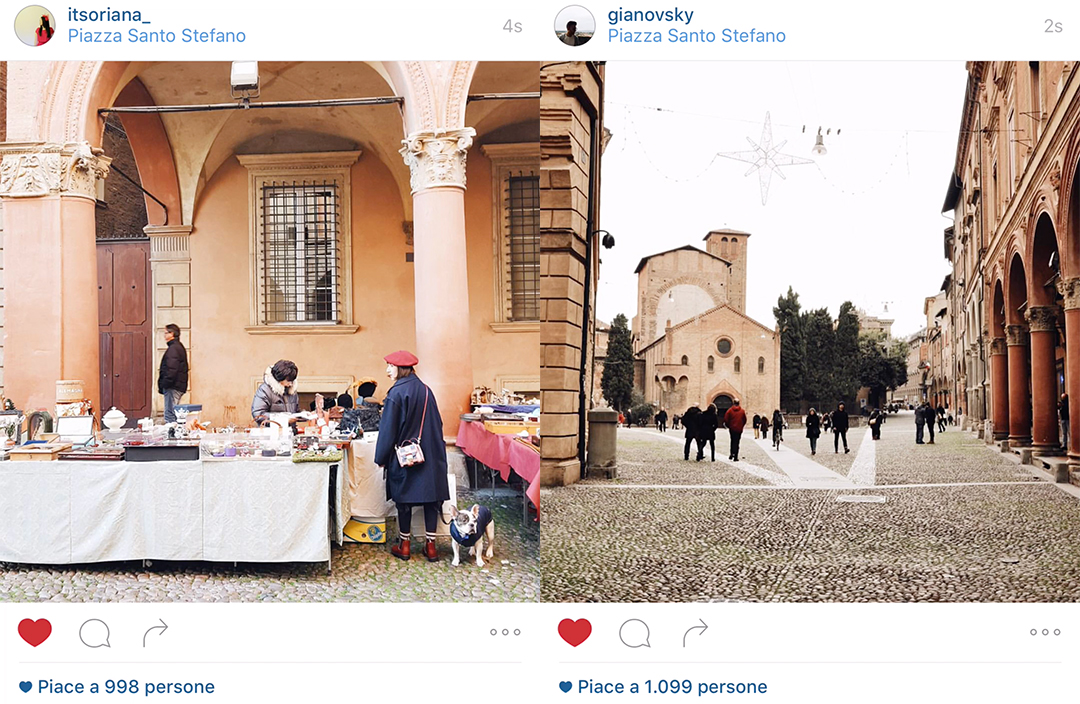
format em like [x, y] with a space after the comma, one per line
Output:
[523, 191]
[301, 252]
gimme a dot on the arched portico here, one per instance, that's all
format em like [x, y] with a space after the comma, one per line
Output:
[1017, 339]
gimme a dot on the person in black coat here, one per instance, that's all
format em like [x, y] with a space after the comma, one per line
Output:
[813, 429]
[941, 418]
[920, 424]
[840, 424]
[707, 426]
[661, 421]
[173, 373]
[411, 414]
[876, 419]
[690, 421]
[930, 416]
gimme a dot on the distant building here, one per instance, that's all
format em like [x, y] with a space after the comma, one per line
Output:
[694, 342]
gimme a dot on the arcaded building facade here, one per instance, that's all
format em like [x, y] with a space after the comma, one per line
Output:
[693, 339]
[1015, 251]
[328, 235]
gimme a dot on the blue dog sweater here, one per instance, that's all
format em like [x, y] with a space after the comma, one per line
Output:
[482, 522]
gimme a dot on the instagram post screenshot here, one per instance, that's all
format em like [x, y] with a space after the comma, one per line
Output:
[539, 352]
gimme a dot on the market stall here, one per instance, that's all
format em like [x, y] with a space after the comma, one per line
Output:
[504, 444]
[250, 510]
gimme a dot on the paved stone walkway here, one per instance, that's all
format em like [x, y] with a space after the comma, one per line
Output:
[953, 521]
[360, 573]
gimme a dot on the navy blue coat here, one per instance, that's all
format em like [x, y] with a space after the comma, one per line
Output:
[402, 410]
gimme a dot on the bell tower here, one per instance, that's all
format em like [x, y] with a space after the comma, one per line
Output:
[731, 246]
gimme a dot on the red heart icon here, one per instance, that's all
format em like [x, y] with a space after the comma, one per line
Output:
[575, 632]
[35, 632]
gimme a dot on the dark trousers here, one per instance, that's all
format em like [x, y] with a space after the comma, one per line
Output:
[431, 517]
[735, 438]
[875, 431]
[930, 427]
[837, 434]
[686, 448]
[813, 445]
[663, 426]
[941, 424]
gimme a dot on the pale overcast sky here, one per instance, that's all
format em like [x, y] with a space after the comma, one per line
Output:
[862, 223]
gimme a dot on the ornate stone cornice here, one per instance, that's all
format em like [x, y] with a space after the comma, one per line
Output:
[437, 158]
[1016, 335]
[30, 170]
[1041, 318]
[998, 346]
[35, 169]
[1070, 290]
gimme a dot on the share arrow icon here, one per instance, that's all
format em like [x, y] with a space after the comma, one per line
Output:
[703, 627]
[163, 627]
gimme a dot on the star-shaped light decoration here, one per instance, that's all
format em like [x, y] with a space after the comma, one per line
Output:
[765, 158]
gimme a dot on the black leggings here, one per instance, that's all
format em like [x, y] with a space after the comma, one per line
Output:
[431, 517]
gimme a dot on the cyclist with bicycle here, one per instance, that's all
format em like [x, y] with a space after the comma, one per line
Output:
[778, 428]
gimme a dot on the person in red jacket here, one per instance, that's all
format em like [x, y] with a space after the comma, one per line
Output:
[735, 420]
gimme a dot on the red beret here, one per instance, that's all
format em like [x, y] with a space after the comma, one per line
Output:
[401, 358]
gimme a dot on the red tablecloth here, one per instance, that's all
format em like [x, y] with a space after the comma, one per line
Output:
[503, 453]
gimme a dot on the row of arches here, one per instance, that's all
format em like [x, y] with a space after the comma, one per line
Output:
[1034, 326]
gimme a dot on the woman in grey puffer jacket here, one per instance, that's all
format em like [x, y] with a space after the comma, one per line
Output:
[277, 393]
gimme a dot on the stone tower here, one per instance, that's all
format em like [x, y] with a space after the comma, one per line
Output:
[731, 246]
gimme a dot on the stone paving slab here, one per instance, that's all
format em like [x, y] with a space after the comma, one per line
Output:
[360, 573]
[923, 544]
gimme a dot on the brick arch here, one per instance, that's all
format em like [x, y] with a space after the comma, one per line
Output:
[1067, 208]
[723, 387]
[652, 300]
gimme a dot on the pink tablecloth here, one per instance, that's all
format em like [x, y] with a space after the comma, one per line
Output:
[503, 453]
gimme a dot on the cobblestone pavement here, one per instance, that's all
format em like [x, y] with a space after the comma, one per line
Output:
[360, 573]
[999, 541]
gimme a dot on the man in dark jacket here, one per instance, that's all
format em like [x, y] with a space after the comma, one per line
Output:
[930, 416]
[735, 421]
[173, 373]
[690, 421]
[840, 425]
[661, 420]
[920, 424]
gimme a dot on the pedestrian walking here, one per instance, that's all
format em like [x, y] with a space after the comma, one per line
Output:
[813, 429]
[757, 426]
[875, 424]
[661, 421]
[777, 428]
[675, 419]
[941, 418]
[689, 424]
[826, 422]
[840, 423]
[707, 432]
[1063, 420]
[735, 420]
[763, 424]
[173, 373]
[622, 419]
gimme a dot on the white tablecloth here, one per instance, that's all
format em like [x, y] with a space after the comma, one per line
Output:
[367, 489]
[242, 510]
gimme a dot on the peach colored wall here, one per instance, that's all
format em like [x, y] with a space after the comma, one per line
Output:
[224, 357]
[493, 354]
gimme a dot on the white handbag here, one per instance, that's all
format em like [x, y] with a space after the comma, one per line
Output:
[409, 453]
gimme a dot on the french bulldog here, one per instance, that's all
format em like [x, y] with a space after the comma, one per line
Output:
[469, 529]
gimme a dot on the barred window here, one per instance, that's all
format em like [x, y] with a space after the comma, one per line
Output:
[523, 194]
[301, 252]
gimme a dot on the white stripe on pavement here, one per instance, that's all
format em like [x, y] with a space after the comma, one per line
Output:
[864, 469]
[774, 478]
[804, 472]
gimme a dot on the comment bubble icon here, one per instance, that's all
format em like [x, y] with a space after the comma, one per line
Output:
[94, 633]
[634, 634]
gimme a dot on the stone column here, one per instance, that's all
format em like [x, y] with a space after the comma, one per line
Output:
[999, 387]
[1016, 336]
[1042, 321]
[1070, 289]
[436, 161]
[51, 327]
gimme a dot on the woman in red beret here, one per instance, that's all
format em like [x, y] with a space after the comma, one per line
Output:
[410, 414]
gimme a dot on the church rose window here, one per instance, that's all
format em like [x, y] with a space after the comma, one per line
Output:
[723, 346]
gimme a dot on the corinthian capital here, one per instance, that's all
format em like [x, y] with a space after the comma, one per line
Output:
[1070, 290]
[32, 169]
[998, 346]
[1016, 335]
[437, 158]
[1041, 318]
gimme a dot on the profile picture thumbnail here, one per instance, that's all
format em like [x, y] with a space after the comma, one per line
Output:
[574, 25]
[34, 25]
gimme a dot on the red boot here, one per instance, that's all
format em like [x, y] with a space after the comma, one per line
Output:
[430, 552]
[402, 550]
